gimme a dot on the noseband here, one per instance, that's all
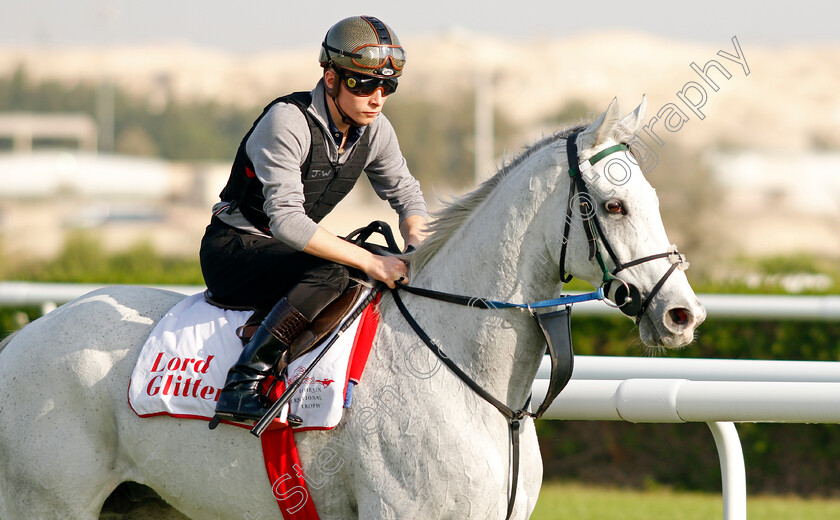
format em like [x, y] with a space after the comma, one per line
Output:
[632, 302]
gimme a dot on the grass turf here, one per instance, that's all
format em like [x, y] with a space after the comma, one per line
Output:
[569, 500]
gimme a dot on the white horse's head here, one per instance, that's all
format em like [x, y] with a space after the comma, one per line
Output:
[649, 281]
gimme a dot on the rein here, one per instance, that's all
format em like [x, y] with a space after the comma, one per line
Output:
[513, 416]
[484, 303]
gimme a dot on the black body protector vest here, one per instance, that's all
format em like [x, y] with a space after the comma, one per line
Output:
[325, 183]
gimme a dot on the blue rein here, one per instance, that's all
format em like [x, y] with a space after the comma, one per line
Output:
[484, 303]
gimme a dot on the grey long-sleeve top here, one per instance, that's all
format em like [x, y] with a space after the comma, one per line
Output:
[278, 147]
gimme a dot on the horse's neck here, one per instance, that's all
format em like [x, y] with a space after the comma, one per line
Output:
[500, 254]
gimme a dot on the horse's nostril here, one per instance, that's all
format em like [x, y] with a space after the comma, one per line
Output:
[679, 316]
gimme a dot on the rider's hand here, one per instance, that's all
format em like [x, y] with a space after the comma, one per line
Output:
[388, 269]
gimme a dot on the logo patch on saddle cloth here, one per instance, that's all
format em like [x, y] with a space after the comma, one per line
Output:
[184, 364]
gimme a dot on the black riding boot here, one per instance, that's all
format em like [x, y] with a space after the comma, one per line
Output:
[241, 399]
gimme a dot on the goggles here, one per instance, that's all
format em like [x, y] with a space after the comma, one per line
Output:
[361, 85]
[372, 56]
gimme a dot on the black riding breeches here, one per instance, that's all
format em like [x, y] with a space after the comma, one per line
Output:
[249, 270]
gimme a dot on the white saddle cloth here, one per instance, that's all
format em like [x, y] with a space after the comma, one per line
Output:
[185, 361]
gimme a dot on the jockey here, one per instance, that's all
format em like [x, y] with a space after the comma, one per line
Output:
[264, 246]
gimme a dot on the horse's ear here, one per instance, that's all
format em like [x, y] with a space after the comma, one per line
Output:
[633, 121]
[600, 129]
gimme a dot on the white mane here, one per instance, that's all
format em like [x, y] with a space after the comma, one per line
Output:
[455, 213]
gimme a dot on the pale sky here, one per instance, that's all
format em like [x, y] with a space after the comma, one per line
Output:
[264, 25]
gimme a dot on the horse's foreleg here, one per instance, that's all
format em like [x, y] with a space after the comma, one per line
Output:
[62, 482]
[57, 445]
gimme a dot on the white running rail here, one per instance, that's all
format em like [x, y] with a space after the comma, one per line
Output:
[49, 295]
[716, 392]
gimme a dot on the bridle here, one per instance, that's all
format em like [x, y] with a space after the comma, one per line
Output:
[632, 304]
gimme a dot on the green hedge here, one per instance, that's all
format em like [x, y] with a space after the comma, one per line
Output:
[716, 338]
[780, 458]
[13, 318]
[83, 259]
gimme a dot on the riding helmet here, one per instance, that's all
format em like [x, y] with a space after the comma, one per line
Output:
[365, 45]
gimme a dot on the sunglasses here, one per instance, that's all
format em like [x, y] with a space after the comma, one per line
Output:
[360, 85]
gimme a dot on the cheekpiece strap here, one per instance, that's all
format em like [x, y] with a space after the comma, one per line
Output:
[572, 154]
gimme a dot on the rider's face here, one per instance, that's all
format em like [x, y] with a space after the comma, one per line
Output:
[362, 109]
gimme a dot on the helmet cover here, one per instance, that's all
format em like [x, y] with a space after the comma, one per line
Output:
[364, 45]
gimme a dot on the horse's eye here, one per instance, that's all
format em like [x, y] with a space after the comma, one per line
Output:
[614, 206]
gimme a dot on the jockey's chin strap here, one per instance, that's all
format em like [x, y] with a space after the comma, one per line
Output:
[629, 295]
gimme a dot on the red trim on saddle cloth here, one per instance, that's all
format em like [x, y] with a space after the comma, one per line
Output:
[285, 472]
[363, 341]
